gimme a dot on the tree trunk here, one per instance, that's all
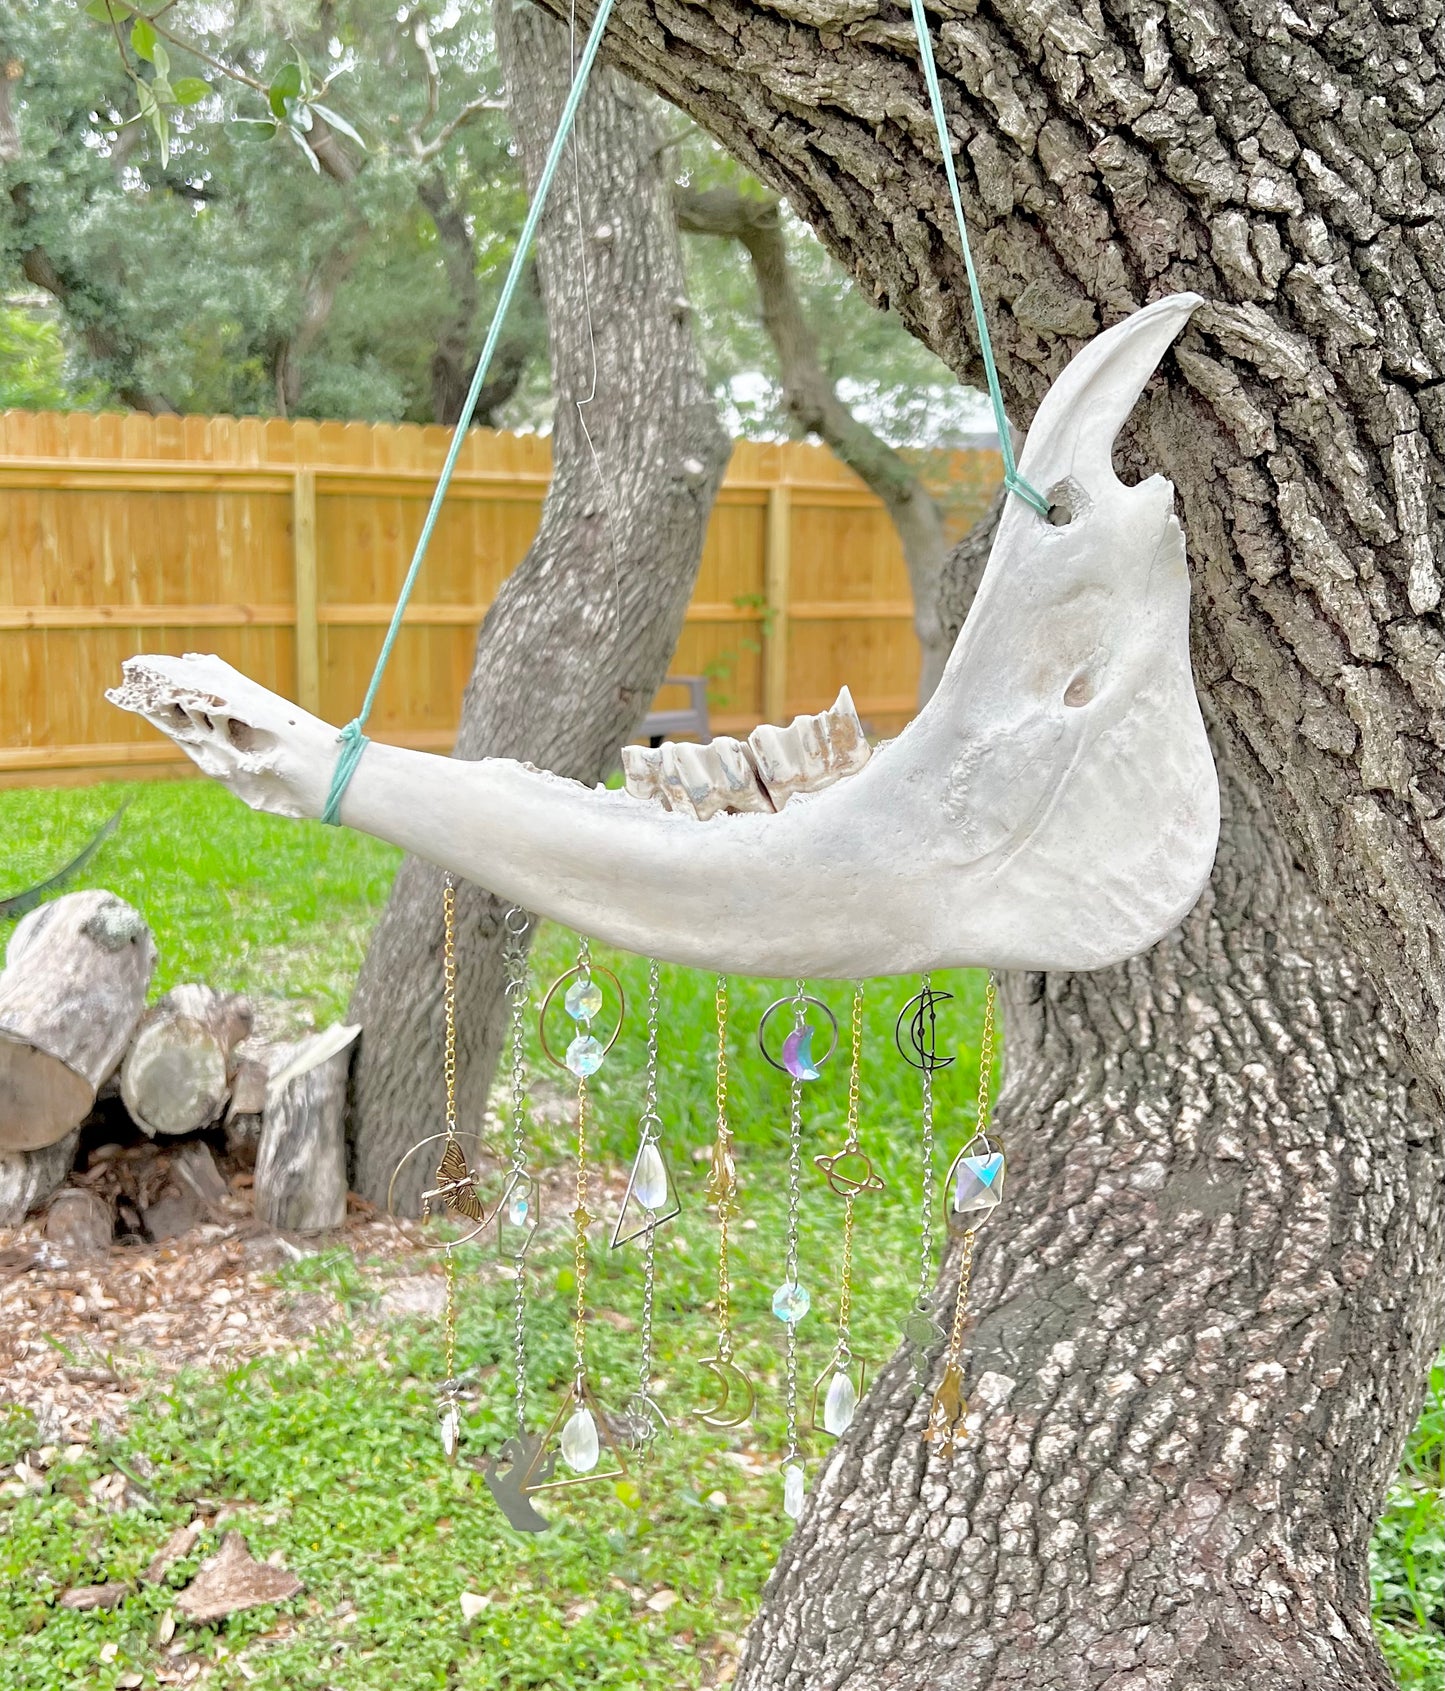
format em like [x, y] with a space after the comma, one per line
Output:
[177, 1075]
[300, 1182]
[580, 636]
[1202, 1320]
[1205, 1311]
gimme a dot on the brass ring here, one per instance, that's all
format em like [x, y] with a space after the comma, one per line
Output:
[421, 1145]
[589, 970]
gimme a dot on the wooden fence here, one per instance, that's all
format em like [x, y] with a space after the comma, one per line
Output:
[281, 546]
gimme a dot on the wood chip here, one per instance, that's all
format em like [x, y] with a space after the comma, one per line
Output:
[232, 1580]
[180, 1544]
[108, 1596]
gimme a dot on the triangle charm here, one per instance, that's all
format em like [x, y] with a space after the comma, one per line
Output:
[650, 1179]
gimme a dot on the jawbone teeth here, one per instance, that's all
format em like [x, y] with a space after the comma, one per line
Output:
[762, 773]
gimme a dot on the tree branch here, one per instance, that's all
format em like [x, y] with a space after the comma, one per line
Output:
[812, 400]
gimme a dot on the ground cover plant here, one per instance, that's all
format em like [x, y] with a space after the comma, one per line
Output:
[328, 1457]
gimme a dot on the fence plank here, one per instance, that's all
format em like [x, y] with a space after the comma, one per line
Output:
[281, 546]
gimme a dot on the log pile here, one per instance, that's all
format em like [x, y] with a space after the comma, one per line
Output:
[113, 1115]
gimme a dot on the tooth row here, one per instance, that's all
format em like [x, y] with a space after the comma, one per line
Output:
[760, 773]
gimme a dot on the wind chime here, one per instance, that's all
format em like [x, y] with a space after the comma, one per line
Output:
[1053, 806]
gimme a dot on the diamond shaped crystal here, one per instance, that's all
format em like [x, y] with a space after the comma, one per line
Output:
[840, 1405]
[791, 1302]
[978, 1186]
[583, 999]
[584, 1055]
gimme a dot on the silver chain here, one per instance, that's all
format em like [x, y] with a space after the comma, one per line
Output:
[795, 1195]
[651, 1129]
[925, 1251]
[514, 957]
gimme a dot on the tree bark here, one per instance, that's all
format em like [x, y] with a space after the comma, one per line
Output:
[580, 636]
[813, 403]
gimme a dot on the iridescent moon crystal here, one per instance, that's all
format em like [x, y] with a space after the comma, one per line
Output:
[797, 1057]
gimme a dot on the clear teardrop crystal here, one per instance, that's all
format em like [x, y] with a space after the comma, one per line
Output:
[793, 1490]
[584, 1055]
[791, 1302]
[517, 1207]
[451, 1429]
[649, 1183]
[580, 1449]
[583, 999]
[840, 1405]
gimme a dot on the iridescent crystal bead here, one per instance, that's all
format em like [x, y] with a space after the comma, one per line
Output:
[649, 1179]
[840, 1405]
[580, 1449]
[451, 1429]
[793, 1490]
[583, 999]
[791, 1302]
[517, 1208]
[584, 1055]
[978, 1186]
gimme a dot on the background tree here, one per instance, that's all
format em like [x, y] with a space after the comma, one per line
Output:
[1204, 1336]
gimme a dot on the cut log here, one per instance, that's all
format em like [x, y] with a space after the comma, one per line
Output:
[73, 989]
[27, 1178]
[79, 1223]
[177, 1075]
[301, 1164]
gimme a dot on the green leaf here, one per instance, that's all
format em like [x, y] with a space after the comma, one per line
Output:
[286, 85]
[337, 122]
[298, 115]
[162, 92]
[163, 134]
[143, 38]
[305, 147]
[161, 59]
[146, 98]
[106, 10]
[190, 89]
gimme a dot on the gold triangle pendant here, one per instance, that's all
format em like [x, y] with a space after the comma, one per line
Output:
[537, 1476]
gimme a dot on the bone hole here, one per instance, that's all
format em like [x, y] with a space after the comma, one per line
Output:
[179, 717]
[205, 720]
[242, 735]
[1061, 511]
[1080, 690]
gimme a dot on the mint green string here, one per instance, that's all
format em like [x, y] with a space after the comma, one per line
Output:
[352, 739]
[1011, 477]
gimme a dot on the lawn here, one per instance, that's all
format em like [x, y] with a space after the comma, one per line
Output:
[329, 1458]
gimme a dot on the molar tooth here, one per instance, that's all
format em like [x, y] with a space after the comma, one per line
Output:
[704, 781]
[811, 752]
[642, 767]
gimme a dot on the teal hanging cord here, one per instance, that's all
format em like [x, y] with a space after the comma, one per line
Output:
[1011, 477]
[353, 740]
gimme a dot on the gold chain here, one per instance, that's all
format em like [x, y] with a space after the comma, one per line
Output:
[724, 1181]
[580, 1219]
[985, 1054]
[845, 1290]
[960, 1303]
[855, 1067]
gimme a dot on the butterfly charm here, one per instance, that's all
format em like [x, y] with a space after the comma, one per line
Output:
[456, 1186]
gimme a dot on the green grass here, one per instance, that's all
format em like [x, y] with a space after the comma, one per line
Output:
[330, 1457]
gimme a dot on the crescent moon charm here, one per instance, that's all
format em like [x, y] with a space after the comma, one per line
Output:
[921, 1048]
[736, 1403]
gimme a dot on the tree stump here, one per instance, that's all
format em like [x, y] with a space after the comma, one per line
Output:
[177, 1075]
[79, 1223]
[73, 989]
[301, 1163]
[27, 1178]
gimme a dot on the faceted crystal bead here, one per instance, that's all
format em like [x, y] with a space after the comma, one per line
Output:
[840, 1405]
[979, 1184]
[517, 1208]
[580, 1449]
[583, 999]
[451, 1429]
[791, 1302]
[584, 1055]
[793, 1490]
[649, 1182]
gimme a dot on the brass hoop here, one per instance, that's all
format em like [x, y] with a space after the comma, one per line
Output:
[421, 1144]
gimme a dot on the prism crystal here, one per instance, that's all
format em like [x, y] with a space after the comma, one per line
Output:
[840, 1405]
[792, 1490]
[584, 1055]
[451, 1429]
[517, 1207]
[791, 1302]
[978, 1185]
[649, 1178]
[583, 999]
[580, 1448]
